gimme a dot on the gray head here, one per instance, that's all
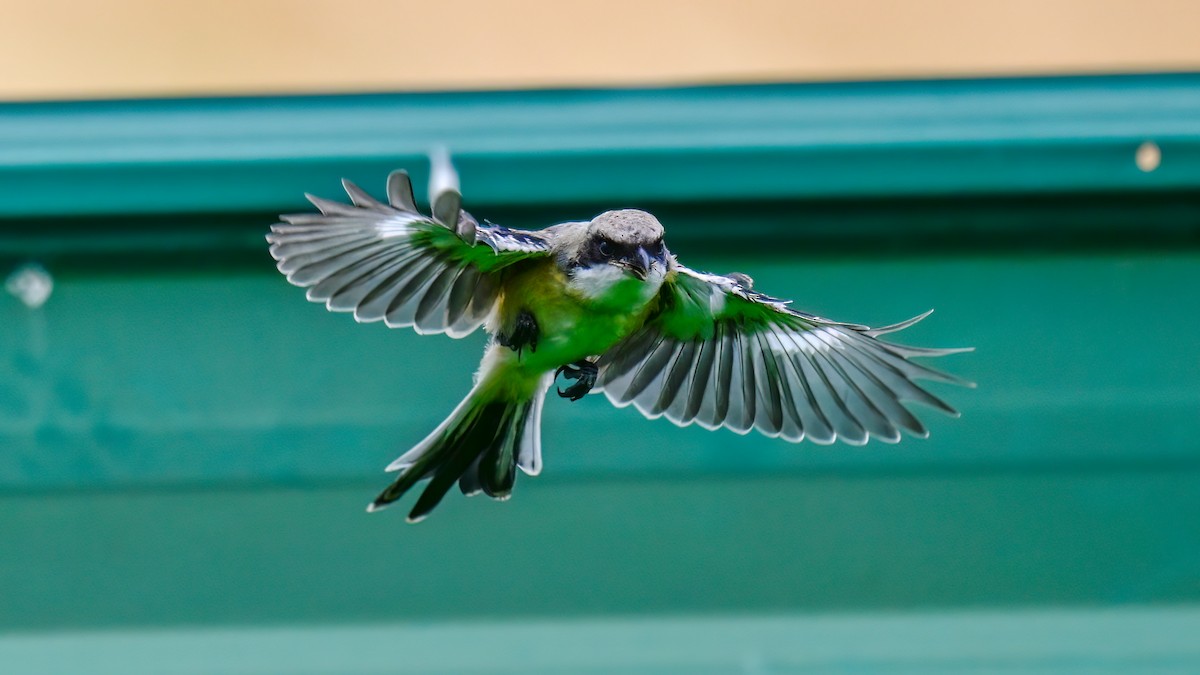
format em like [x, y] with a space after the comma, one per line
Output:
[627, 238]
[627, 227]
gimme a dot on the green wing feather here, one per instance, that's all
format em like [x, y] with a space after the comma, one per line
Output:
[390, 263]
[720, 354]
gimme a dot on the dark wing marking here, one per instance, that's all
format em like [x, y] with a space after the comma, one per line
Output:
[390, 263]
[719, 354]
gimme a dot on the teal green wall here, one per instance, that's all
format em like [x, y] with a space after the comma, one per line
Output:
[186, 443]
[199, 448]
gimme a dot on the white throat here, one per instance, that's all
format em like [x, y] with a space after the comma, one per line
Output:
[613, 286]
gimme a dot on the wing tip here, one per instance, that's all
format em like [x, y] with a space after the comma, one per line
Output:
[948, 351]
[315, 200]
[898, 326]
[400, 191]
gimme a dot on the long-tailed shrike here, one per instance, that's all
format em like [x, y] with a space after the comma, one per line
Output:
[604, 303]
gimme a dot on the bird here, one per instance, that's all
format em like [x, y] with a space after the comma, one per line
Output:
[604, 304]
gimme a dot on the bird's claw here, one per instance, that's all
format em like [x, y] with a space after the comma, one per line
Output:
[524, 333]
[584, 373]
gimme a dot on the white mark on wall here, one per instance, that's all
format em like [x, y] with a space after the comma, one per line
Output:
[31, 284]
[1148, 156]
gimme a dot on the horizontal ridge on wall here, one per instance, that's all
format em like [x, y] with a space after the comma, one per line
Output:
[1123, 134]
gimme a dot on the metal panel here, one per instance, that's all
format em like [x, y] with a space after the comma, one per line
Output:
[152, 379]
[1033, 642]
[187, 442]
[755, 142]
[650, 545]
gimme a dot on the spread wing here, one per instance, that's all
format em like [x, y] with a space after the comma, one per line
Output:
[718, 353]
[390, 263]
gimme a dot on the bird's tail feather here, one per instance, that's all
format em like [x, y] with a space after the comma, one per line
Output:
[479, 446]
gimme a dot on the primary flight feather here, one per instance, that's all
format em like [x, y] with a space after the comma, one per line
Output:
[604, 303]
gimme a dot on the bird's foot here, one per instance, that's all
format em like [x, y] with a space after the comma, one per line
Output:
[524, 333]
[584, 372]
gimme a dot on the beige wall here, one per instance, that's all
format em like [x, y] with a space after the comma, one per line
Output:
[104, 48]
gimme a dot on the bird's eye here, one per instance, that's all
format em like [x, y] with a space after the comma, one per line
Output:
[604, 248]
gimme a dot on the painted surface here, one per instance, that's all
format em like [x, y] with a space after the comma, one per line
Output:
[188, 445]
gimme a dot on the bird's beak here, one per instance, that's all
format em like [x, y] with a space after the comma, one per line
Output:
[639, 263]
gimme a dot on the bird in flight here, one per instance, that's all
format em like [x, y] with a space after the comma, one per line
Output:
[606, 305]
